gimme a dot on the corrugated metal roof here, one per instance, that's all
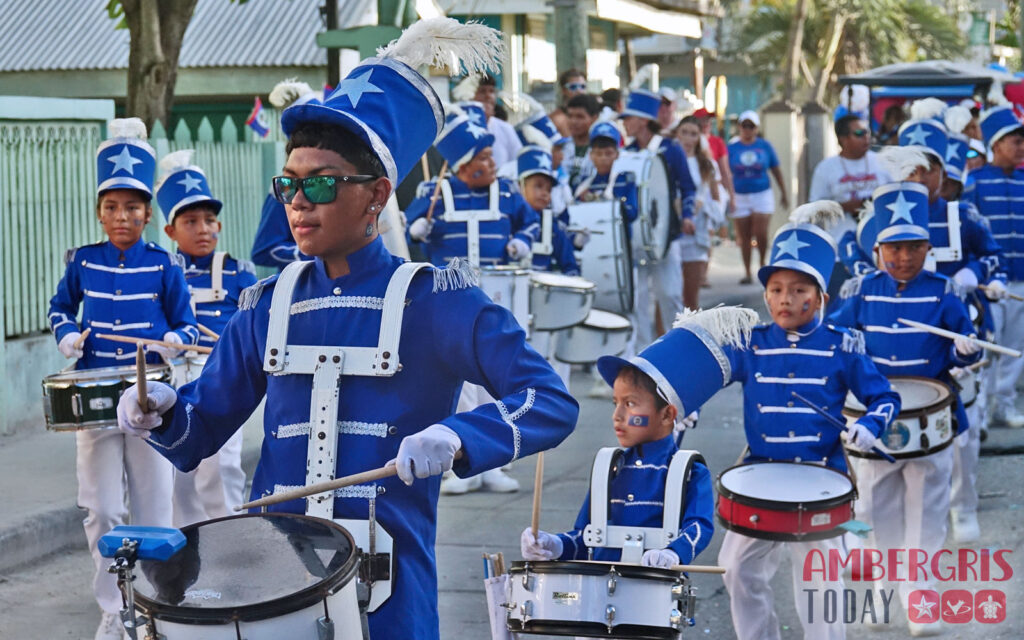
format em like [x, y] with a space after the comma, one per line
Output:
[49, 35]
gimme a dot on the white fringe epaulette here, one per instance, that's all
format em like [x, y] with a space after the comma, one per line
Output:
[458, 274]
[247, 266]
[69, 255]
[853, 341]
[726, 325]
[821, 213]
[901, 162]
[851, 287]
[127, 128]
[448, 44]
[250, 295]
[927, 108]
[957, 117]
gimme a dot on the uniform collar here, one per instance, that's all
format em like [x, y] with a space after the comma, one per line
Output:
[369, 260]
[656, 450]
[199, 262]
[130, 253]
[803, 331]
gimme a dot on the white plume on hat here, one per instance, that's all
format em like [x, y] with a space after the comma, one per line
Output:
[288, 91]
[176, 160]
[926, 108]
[520, 106]
[901, 162]
[821, 213]
[448, 44]
[856, 97]
[730, 326]
[957, 117]
[643, 76]
[466, 89]
[995, 96]
[127, 128]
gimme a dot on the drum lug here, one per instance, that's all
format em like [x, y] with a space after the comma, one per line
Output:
[527, 582]
[324, 628]
[375, 567]
[76, 405]
[609, 616]
[526, 610]
[612, 583]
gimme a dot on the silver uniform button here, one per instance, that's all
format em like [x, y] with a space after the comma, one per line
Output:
[337, 291]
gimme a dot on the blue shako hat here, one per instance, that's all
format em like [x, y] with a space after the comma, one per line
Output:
[605, 129]
[539, 130]
[125, 160]
[901, 212]
[182, 184]
[642, 103]
[533, 160]
[804, 245]
[956, 156]
[688, 382]
[998, 122]
[388, 104]
[475, 111]
[928, 134]
[461, 139]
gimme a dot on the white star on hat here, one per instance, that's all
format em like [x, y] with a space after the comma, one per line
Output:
[189, 182]
[474, 115]
[790, 246]
[544, 162]
[924, 608]
[354, 88]
[918, 135]
[475, 130]
[953, 150]
[124, 161]
[901, 209]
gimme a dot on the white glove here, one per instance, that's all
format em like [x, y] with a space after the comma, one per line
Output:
[67, 346]
[545, 547]
[130, 418]
[420, 229]
[430, 452]
[663, 558]
[966, 279]
[517, 249]
[966, 346]
[996, 290]
[167, 352]
[860, 437]
[689, 422]
[581, 238]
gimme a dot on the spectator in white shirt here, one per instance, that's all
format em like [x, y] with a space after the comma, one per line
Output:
[506, 142]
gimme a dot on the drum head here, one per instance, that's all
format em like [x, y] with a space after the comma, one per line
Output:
[660, 208]
[599, 319]
[104, 376]
[560, 280]
[915, 393]
[784, 483]
[249, 567]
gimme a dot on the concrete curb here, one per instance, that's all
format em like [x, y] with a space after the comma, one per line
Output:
[40, 535]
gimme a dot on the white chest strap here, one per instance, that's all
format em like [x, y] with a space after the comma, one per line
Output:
[545, 246]
[609, 191]
[472, 217]
[216, 291]
[327, 366]
[654, 146]
[633, 540]
[954, 251]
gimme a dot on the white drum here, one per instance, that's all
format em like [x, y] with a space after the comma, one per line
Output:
[187, 368]
[654, 202]
[607, 259]
[558, 301]
[597, 600]
[967, 379]
[925, 422]
[509, 287]
[602, 334]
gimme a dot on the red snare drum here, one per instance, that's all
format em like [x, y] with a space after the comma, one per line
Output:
[784, 500]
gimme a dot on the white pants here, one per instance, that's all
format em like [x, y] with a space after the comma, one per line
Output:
[750, 564]
[907, 505]
[1006, 370]
[213, 489]
[544, 343]
[111, 467]
[963, 497]
[660, 282]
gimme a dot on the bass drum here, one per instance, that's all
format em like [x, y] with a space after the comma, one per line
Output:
[606, 260]
[654, 203]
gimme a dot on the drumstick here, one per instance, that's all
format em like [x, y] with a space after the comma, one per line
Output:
[594, 232]
[161, 343]
[697, 568]
[81, 339]
[437, 190]
[952, 335]
[538, 483]
[346, 481]
[425, 167]
[208, 331]
[836, 423]
[140, 378]
[1011, 296]
[977, 365]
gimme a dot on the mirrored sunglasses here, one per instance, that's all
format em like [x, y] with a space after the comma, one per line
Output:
[576, 86]
[859, 133]
[318, 189]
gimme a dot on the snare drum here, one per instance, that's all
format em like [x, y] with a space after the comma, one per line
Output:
[87, 398]
[784, 500]
[654, 201]
[558, 301]
[925, 422]
[597, 600]
[967, 379]
[261, 576]
[509, 287]
[606, 260]
[186, 368]
[602, 334]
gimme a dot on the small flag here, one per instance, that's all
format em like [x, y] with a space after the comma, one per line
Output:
[328, 90]
[637, 421]
[257, 119]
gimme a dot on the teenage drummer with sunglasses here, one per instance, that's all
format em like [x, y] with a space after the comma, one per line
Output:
[361, 355]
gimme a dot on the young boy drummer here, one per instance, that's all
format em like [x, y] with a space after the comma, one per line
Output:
[797, 352]
[126, 287]
[907, 503]
[602, 184]
[537, 181]
[216, 281]
[361, 341]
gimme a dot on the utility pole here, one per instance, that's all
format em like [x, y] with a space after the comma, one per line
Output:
[330, 10]
[572, 35]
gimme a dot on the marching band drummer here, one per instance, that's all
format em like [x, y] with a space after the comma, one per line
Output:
[602, 184]
[907, 503]
[537, 181]
[323, 317]
[823, 362]
[216, 281]
[128, 287]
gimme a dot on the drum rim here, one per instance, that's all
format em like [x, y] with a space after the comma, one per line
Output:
[593, 568]
[57, 380]
[585, 286]
[912, 413]
[554, 627]
[825, 503]
[276, 607]
[918, 453]
[503, 270]
[778, 536]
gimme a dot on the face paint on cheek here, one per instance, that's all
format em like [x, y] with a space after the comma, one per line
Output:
[638, 420]
[139, 223]
[889, 266]
[478, 173]
[807, 306]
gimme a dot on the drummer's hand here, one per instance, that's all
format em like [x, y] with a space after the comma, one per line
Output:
[130, 418]
[663, 558]
[517, 249]
[996, 290]
[580, 238]
[688, 422]
[167, 352]
[430, 452]
[966, 280]
[860, 437]
[420, 229]
[688, 227]
[67, 346]
[544, 547]
[966, 346]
